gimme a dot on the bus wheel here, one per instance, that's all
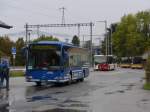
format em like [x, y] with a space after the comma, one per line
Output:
[38, 83]
[82, 79]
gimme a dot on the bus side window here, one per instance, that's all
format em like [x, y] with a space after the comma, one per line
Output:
[66, 59]
[70, 60]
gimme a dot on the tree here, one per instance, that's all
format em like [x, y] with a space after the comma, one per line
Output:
[143, 26]
[46, 38]
[148, 70]
[76, 41]
[128, 39]
[5, 47]
[19, 45]
[113, 27]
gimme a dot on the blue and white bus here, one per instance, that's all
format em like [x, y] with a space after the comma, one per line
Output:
[57, 62]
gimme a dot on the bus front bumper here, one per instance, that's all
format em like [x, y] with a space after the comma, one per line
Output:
[56, 80]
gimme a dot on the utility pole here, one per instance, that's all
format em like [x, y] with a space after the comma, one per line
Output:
[91, 47]
[111, 41]
[105, 36]
[26, 27]
[38, 30]
[29, 33]
[63, 14]
[83, 42]
[79, 30]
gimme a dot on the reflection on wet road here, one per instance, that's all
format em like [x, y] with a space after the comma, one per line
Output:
[114, 91]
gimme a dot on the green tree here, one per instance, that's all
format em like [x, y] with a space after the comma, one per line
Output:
[46, 38]
[5, 47]
[148, 70]
[19, 45]
[143, 26]
[76, 41]
[131, 36]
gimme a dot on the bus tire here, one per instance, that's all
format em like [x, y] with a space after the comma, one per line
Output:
[82, 79]
[38, 83]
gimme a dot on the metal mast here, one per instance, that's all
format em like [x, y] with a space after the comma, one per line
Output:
[63, 14]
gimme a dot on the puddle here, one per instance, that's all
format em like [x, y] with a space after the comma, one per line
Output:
[62, 110]
[40, 98]
[108, 93]
[73, 105]
[59, 92]
[143, 103]
[118, 91]
[129, 86]
[79, 105]
[102, 86]
[71, 101]
[145, 100]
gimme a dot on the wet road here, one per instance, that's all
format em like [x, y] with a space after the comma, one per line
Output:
[114, 91]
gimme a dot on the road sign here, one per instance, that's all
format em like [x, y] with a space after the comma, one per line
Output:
[13, 50]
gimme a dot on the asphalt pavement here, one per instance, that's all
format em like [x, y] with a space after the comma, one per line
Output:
[109, 91]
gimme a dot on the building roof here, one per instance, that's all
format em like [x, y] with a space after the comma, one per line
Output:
[4, 25]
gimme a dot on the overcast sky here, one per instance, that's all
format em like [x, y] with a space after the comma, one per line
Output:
[18, 12]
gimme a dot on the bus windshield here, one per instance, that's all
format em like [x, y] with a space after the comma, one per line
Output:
[103, 59]
[45, 57]
[99, 59]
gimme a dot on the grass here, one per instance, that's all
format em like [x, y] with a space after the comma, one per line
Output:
[16, 73]
[147, 86]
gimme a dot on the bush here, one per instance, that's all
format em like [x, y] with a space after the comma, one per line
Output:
[147, 86]
[17, 73]
[147, 68]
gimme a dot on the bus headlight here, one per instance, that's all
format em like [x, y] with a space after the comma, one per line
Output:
[29, 77]
[59, 78]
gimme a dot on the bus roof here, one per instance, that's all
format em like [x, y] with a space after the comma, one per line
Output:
[50, 42]
[68, 45]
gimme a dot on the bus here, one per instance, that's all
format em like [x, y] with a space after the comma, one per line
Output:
[125, 62]
[137, 62]
[55, 62]
[104, 63]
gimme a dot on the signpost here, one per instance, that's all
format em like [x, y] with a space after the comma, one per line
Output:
[13, 52]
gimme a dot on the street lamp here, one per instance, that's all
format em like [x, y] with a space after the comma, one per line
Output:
[110, 40]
